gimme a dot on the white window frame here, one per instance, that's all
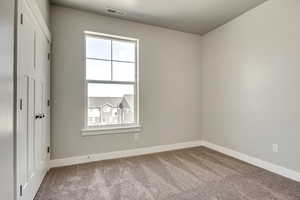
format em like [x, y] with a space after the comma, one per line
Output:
[117, 128]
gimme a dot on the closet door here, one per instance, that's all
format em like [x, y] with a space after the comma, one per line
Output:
[32, 74]
[42, 97]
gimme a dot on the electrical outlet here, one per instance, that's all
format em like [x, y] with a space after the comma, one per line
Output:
[275, 148]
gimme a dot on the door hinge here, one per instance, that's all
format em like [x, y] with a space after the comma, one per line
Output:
[21, 190]
[48, 102]
[48, 149]
[21, 18]
[48, 56]
[21, 104]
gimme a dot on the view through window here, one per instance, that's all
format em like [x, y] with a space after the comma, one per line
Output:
[111, 69]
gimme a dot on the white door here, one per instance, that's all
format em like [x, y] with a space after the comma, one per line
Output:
[32, 97]
[42, 96]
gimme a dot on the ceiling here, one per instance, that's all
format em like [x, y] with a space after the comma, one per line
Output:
[194, 16]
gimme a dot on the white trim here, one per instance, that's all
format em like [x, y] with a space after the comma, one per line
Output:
[112, 37]
[136, 83]
[111, 130]
[294, 175]
[122, 154]
[40, 19]
[255, 161]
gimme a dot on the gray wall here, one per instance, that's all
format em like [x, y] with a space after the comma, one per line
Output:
[170, 95]
[6, 100]
[251, 83]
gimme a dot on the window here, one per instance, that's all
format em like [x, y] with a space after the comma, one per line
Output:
[111, 82]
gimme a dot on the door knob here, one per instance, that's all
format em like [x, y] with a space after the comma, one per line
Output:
[40, 116]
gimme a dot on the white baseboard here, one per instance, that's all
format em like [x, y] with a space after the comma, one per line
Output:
[156, 149]
[255, 161]
[122, 154]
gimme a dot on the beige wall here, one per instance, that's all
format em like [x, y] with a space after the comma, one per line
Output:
[251, 82]
[245, 76]
[170, 95]
[6, 100]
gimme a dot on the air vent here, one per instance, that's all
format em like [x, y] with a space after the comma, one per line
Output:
[115, 12]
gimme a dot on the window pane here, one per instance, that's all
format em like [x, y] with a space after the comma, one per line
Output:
[98, 70]
[94, 116]
[110, 104]
[123, 71]
[98, 48]
[123, 51]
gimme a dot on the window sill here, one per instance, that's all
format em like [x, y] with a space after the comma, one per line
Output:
[111, 130]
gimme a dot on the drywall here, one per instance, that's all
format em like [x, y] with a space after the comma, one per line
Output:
[170, 96]
[250, 83]
[6, 99]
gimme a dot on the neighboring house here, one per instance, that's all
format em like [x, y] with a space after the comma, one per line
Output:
[110, 110]
[128, 109]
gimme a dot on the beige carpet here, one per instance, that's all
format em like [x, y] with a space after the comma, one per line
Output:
[190, 174]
